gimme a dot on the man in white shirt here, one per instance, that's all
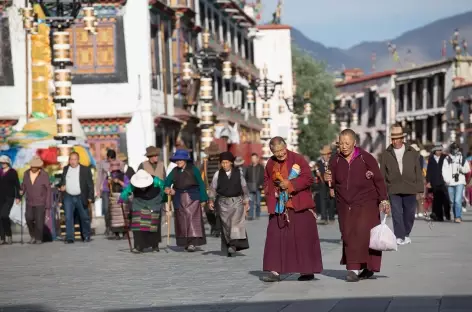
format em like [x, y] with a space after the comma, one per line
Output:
[454, 169]
[77, 188]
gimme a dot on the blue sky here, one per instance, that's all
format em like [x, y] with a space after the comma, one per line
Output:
[344, 23]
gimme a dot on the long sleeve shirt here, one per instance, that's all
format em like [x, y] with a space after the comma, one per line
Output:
[37, 192]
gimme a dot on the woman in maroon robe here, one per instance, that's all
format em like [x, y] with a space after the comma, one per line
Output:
[292, 243]
[361, 194]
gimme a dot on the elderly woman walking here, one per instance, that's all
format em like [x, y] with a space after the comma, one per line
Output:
[9, 193]
[186, 186]
[229, 195]
[360, 194]
[118, 181]
[148, 199]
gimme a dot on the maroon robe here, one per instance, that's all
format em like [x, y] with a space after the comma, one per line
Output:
[357, 202]
[292, 246]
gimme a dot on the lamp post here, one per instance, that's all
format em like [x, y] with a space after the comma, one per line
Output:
[453, 123]
[344, 115]
[206, 62]
[265, 89]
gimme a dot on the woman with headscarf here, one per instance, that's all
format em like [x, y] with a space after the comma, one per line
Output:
[148, 199]
[186, 186]
[229, 195]
[9, 193]
[118, 181]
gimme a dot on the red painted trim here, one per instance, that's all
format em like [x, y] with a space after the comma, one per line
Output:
[273, 27]
[366, 78]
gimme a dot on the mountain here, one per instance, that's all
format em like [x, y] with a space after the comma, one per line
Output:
[417, 46]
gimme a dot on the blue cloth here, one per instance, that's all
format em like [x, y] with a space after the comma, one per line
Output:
[193, 192]
[455, 198]
[72, 203]
[403, 213]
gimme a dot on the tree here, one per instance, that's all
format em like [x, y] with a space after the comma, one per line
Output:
[311, 76]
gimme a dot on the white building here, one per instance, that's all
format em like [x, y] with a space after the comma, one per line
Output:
[273, 51]
[424, 98]
[372, 103]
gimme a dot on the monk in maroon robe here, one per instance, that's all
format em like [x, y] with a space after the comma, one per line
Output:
[292, 243]
[361, 194]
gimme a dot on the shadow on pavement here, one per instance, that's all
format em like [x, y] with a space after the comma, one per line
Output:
[372, 304]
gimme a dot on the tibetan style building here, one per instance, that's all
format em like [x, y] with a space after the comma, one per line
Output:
[127, 81]
[371, 104]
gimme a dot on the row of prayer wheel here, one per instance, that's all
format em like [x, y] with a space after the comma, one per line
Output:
[206, 94]
[63, 92]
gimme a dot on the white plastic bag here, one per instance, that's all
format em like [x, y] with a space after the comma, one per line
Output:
[15, 213]
[382, 238]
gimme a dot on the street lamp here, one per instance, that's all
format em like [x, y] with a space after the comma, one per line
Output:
[265, 88]
[343, 113]
[453, 123]
[206, 62]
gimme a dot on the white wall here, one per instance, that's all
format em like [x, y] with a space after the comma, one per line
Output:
[272, 48]
[13, 98]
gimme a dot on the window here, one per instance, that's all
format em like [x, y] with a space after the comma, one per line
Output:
[409, 101]
[99, 58]
[419, 94]
[155, 59]
[6, 68]
[383, 107]
[400, 99]
[359, 111]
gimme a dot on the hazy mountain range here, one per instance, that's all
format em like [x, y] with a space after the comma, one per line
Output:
[417, 46]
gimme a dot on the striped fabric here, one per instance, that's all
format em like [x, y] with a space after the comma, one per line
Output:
[145, 221]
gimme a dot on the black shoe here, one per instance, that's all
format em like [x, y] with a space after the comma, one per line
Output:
[3, 242]
[271, 278]
[156, 249]
[306, 277]
[68, 241]
[9, 240]
[191, 248]
[87, 240]
[366, 274]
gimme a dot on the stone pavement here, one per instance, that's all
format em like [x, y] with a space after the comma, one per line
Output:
[431, 274]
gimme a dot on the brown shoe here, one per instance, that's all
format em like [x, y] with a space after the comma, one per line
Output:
[271, 278]
[457, 220]
[352, 277]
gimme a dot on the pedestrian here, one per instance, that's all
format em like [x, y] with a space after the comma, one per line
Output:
[37, 189]
[292, 243]
[362, 195]
[435, 182]
[239, 164]
[146, 209]
[326, 200]
[255, 182]
[188, 191]
[454, 169]
[153, 165]
[117, 181]
[77, 186]
[102, 186]
[127, 169]
[229, 195]
[401, 169]
[9, 194]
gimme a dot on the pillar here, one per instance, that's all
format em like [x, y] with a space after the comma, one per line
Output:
[425, 93]
[413, 130]
[424, 131]
[265, 132]
[434, 129]
[435, 91]
[206, 122]
[413, 95]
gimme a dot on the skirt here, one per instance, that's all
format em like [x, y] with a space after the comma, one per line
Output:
[117, 220]
[143, 240]
[188, 218]
[293, 247]
[233, 218]
[146, 221]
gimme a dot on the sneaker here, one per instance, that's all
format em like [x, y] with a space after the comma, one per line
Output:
[420, 215]
[400, 241]
[464, 210]
[416, 216]
[407, 240]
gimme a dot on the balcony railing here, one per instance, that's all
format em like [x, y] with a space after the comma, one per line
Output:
[190, 4]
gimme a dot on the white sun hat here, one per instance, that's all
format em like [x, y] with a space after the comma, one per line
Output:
[141, 179]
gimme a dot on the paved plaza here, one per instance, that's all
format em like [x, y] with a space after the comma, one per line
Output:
[432, 274]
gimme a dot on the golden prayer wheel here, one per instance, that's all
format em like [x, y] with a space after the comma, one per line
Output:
[294, 121]
[62, 75]
[207, 114]
[207, 138]
[206, 89]
[62, 92]
[206, 39]
[63, 153]
[227, 70]
[90, 20]
[187, 71]
[64, 113]
[64, 129]
[266, 110]
[61, 46]
[28, 18]
[250, 96]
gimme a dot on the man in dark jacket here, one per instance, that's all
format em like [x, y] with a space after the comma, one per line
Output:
[254, 176]
[435, 182]
[401, 169]
[77, 185]
[327, 202]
